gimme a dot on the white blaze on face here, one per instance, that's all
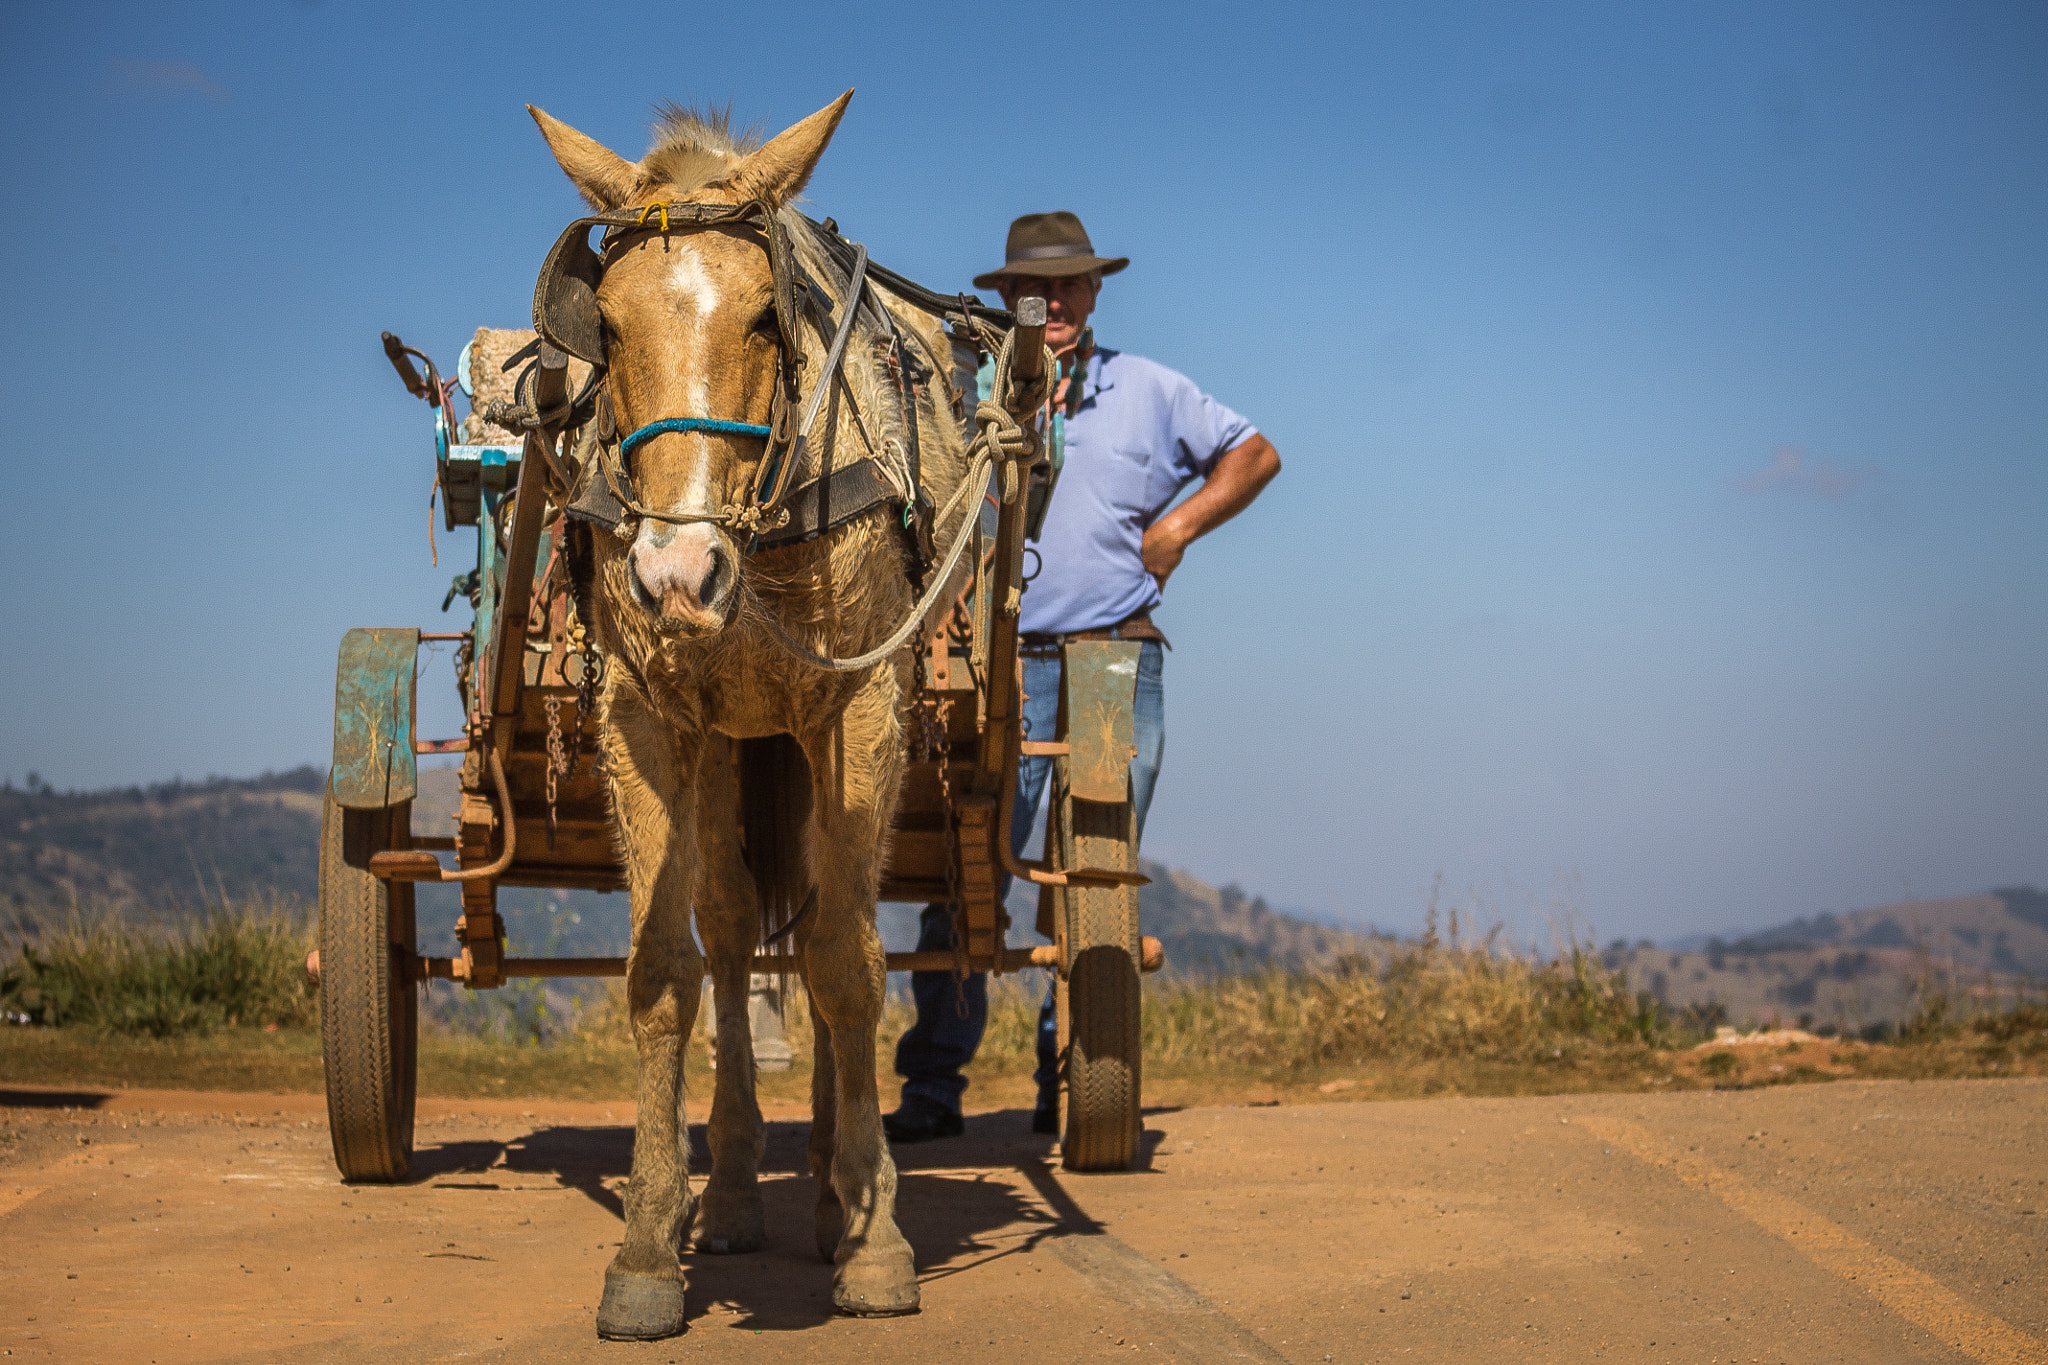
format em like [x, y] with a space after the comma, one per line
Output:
[696, 298]
[667, 555]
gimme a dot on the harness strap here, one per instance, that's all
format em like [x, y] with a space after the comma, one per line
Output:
[849, 309]
[829, 501]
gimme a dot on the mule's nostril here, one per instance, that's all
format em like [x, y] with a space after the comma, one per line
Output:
[707, 592]
[642, 594]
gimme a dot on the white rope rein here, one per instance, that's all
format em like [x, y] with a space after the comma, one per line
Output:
[1000, 439]
[977, 476]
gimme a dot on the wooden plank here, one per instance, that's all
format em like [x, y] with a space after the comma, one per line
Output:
[913, 890]
[920, 855]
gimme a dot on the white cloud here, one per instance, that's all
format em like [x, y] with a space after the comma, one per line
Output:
[166, 78]
[1793, 470]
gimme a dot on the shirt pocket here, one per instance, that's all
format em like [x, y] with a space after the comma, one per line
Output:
[1127, 480]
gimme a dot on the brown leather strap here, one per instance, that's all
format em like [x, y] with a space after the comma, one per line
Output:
[832, 500]
[1137, 626]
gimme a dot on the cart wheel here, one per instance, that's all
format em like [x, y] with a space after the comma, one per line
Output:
[369, 1008]
[1099, 999]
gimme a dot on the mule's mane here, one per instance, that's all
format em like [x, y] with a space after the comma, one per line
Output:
[694, 148]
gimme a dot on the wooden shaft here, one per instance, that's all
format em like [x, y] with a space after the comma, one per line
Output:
[1027, 359]
[1005, 689]
[508, 640]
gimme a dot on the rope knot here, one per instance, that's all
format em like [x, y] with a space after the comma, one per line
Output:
[754, 519]
[1008, 441]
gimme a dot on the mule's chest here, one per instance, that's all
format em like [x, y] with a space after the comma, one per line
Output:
[751, 688]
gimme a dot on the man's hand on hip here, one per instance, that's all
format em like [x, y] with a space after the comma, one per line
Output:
[1240, 473]
[1162, 550]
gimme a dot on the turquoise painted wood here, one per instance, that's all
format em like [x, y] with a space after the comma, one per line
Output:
[374, 765]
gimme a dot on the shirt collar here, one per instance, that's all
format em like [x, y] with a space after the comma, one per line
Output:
[1097, 379]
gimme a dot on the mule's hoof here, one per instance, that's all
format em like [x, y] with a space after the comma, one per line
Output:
[728, 1226]
[886, 1289]
[640, 1307]
[831, 1224]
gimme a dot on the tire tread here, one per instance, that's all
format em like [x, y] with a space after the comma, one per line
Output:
[368, 1008]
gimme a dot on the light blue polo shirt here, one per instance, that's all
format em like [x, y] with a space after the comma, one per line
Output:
[1142, 434]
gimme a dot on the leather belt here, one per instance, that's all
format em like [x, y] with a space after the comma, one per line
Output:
[1039, 644]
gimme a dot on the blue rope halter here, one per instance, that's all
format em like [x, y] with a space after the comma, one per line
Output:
[716, 425]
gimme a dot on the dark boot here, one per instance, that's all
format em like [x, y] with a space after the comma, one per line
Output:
[921, 1120]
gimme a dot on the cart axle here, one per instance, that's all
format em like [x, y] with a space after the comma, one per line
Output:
[1152, 957]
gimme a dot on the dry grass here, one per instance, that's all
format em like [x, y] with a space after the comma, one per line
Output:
[186, 1007]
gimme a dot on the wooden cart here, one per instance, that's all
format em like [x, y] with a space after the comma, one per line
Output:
[533, 810]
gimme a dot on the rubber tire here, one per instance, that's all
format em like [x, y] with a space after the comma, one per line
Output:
[1101, 1001]
[369, 1006]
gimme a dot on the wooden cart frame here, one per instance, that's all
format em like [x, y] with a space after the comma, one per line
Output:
[534, 811]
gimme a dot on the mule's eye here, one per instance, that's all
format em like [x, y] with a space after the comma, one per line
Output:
[767, 328]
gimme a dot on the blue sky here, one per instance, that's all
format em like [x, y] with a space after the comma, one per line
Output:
[1662, 394]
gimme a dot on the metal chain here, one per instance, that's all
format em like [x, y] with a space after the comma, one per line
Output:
[586, 691]
[558, 761]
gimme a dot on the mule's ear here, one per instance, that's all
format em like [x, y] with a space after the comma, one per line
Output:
[604, 178]
[777, 173]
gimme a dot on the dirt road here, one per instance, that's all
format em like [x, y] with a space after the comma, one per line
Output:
[1865, 1221]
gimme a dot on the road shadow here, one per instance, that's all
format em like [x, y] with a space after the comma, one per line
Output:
[53, 1099]
[958, 1202]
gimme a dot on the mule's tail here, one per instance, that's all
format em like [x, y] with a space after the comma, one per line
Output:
[775, 806]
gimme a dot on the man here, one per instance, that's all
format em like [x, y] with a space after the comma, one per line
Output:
[1128, 435]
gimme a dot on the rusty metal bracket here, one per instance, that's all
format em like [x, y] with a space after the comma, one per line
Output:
[420, 865]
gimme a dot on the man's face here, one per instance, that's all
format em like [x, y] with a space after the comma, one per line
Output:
[1069, 299]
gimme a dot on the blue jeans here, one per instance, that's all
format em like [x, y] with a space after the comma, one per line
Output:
[944, 1038]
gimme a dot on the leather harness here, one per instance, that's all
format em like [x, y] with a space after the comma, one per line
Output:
[774, 513]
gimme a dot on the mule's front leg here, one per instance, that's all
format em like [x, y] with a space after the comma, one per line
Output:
[828, 1219]
[856, 773]
[643, 1287]
[730, 1217]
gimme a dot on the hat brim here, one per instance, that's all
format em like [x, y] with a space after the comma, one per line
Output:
[1052, 268]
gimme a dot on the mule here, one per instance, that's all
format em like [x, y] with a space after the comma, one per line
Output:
[706, 716]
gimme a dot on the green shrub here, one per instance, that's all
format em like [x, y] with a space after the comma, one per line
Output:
[244, 965]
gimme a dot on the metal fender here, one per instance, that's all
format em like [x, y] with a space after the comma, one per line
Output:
[1101, 678]
[374, 764]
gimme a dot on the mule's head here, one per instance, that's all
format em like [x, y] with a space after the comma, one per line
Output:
[691, 332]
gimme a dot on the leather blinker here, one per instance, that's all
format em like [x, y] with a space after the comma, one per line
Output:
[565, 297]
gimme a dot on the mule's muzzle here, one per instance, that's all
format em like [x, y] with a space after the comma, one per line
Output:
[688, 579]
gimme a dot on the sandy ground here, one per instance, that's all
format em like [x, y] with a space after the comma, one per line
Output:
[1859, 1221]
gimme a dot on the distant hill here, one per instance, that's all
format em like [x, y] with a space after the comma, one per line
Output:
[167, 846]
[2001, 931]
[181, 846]
[1856, 968]
[1211, 929]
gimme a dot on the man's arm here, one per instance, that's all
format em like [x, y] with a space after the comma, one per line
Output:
[1241, 473]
